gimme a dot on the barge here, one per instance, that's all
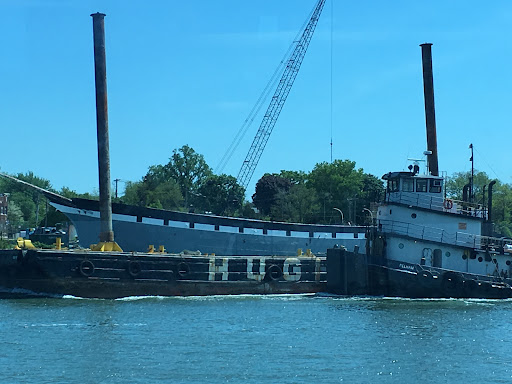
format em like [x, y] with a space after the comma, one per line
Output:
[98, 274]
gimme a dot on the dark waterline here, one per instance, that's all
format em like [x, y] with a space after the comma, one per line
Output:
[277, 339]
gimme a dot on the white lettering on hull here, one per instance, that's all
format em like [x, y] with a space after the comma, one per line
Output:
[292, 269]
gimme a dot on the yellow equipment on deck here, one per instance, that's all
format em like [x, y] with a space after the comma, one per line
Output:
[106, 247]
[22, 243]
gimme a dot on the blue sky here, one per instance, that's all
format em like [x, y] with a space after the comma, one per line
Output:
[189, 72]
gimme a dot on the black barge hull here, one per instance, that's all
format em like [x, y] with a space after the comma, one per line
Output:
[112, 275]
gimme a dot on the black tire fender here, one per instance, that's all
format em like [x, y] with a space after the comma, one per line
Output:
[183, 269]
[86, 268]
[274, 273]
[134, 268]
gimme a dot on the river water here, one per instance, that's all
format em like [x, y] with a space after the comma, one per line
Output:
[254, 339]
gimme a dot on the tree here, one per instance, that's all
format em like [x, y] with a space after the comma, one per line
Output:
[187, 168]
[299, 204]
[372, 191]
[149, 193]
[267, 190]
[30, 201]
[220, 194]
[335, 183]
[70, 193]
[14, 216]
[502, 209]
[295, 177]
[455, 185]
[248, 210]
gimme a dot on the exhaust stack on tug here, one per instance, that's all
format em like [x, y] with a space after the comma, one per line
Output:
[430, 113]
[107, 242]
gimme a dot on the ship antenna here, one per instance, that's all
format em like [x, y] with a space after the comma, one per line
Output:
[472, 174]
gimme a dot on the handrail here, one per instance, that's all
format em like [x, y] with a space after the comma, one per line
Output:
[436, 203]
[442, 236]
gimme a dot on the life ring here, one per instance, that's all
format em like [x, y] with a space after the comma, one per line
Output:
[183, 269]
[134, 268]
[448, 204]
[86, 268]
[274, 273]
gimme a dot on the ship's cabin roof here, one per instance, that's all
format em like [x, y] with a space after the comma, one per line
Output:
[412, 182]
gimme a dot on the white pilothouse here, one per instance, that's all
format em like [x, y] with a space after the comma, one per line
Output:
[422, 227]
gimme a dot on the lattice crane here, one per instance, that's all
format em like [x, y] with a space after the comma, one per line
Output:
[278, 99]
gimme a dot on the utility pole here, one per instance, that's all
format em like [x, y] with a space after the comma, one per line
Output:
[116, 181]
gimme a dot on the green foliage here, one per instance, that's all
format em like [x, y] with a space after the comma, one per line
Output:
[455, 185]
[313, 197]
[7, 244]
[186, 167]
[338, 185]
[373, 190]
[170, 186]
[40, 245]
[150, 193]
[15, 215]
[299, 204]
[69, 193]
[501, 200]
[248, 210]
[295, 177]
[28, 208]
[220, 195]
[31, 203]
[268, 190]
[502, 209]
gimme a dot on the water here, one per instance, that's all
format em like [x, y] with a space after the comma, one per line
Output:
[254, 339]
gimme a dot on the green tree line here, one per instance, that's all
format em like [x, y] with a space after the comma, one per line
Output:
[28, 208]
[186, 182]
[501, 197]
[330, 193]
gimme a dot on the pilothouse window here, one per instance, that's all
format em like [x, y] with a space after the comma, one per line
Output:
[421, 185]
[408, 185]
[435, 186]
[393, 185]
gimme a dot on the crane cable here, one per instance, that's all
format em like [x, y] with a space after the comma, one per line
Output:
[264, 96]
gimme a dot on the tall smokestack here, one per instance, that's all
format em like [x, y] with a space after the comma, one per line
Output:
[100, 75]
[430, 113]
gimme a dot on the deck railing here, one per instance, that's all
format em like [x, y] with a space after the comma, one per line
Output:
[437, 203]
[422, 232]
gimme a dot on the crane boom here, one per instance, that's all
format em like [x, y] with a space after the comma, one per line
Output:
[278, 99]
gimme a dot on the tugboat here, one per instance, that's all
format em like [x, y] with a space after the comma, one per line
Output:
[426, 245]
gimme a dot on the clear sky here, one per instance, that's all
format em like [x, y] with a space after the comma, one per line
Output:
[189, 72]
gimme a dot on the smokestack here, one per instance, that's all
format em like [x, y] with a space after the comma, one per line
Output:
[100, 75]
[430, 113]
[465, 190]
